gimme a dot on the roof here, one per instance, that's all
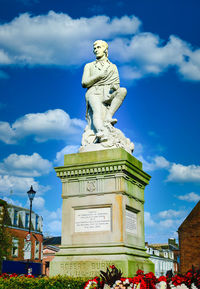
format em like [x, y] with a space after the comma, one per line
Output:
[164, 246]
[158, 245]
[193, 214]
[52, 241]
[53, 248]
[9, 205]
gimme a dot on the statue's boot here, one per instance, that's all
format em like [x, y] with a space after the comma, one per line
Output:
[101, 135]
[110, 119]
[115, 104]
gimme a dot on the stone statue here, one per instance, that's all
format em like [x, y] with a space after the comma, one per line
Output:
[103, 98]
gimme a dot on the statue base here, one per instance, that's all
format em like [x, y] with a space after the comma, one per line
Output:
[113, 138]
[103, 214]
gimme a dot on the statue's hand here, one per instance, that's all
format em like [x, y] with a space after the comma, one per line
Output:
[105, 72]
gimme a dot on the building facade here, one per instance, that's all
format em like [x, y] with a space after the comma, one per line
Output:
[50, 248]
[16, 224]
[164, 256]
[189, 240]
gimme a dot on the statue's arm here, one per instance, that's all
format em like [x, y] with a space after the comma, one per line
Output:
[87, 79]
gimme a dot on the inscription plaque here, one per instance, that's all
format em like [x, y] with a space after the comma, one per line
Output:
[93, 220]
[85, 269]
[131, 222]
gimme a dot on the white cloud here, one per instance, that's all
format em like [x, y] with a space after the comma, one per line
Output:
[54, 227]
[138, 149]
[70, 149]
[52, 220]
[168, 223]
[18, 172]
[25, 165]
[181, 173]
[52, 39]
[172, 214]
[145, 54]
[156, 163]
[177, 172]
[190, 69]
[190, 197]
[57, 214]
[39, 204]
[12, 202]
[7, 135]
[52, 124]
[4, 59]
[169, 219]
[148, 220]
[19, 185]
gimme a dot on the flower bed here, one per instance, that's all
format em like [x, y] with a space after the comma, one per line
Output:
[112, 279]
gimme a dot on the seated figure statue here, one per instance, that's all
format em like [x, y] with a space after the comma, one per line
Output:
[103, 97]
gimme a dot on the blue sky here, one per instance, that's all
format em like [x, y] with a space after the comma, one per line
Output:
[44, 45]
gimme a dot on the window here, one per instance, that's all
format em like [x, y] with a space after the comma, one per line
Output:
[37, 246]
[15, 218]
[27, 220]
[15, 247]
[27, 249]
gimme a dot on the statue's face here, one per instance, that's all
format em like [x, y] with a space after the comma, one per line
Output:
[99, 50]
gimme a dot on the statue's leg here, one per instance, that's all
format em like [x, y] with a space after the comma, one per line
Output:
[115, 104]
[97, 117]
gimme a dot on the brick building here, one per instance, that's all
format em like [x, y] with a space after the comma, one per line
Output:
[16, 223]
[189, 240]
[50, 248]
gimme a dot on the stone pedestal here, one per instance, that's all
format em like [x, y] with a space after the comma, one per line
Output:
[102, 214]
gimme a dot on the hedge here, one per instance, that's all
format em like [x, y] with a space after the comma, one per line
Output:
[58, 282]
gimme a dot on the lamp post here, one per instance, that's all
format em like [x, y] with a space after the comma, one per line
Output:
[31, 194]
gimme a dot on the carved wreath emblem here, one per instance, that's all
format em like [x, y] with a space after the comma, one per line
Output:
[91, 186]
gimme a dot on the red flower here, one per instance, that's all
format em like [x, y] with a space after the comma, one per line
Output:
[162, 278]
[13, 275]
[150, 275]
[139, 272]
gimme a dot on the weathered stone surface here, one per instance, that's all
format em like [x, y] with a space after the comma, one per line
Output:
[109, 186]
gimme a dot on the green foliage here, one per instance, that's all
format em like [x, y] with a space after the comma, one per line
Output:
[7, 219]
[5, 237]
[110, 276]
[58, 282]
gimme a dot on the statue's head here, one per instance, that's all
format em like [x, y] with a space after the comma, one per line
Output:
[100, 49]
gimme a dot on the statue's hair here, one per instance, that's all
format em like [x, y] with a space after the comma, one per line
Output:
[103, 43]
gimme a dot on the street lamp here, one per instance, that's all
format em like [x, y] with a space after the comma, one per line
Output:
[31, 194]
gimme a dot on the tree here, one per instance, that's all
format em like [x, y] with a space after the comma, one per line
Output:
[5, 237]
